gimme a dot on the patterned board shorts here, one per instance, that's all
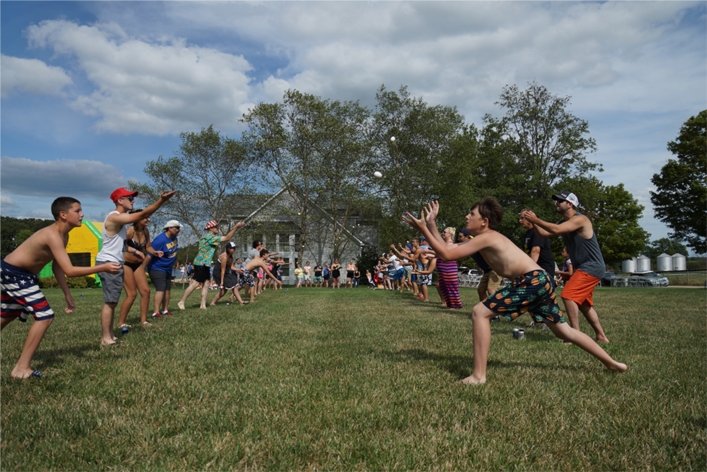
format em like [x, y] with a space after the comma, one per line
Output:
[21, 295]
[530, 293]
[246, 278]
[424, 279]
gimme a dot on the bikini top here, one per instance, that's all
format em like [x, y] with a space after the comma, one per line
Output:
[136, 245]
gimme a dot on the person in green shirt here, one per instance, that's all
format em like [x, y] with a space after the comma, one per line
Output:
[202, 262]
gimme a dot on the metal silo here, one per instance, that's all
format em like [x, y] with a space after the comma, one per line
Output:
[679, 262]
[643, 264]
[665, 263]
[628, 266]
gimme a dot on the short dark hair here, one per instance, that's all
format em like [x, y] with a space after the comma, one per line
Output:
[263, 252]
[256, 243]
[62, 204]
[490, 209]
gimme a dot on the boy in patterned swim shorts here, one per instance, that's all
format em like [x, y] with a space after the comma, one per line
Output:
[531, 290]
[21, 296]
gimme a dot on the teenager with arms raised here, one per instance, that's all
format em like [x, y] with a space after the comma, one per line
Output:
[530, 292]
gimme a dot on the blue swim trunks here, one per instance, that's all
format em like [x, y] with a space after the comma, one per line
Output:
[530, 293]
[21, 296]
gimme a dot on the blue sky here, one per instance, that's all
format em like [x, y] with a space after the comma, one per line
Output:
[91, 91]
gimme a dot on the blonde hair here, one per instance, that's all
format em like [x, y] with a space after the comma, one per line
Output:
[451, 229]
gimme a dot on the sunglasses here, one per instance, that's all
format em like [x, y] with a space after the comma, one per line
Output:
[130, 199]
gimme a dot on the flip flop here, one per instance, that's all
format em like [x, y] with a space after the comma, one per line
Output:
[35, 373]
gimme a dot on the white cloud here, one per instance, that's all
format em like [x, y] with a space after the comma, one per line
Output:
[75, 178]
[151, 88]
[7, 201]
[32, 76]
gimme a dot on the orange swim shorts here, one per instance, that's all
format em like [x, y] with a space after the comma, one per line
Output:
[580, 288]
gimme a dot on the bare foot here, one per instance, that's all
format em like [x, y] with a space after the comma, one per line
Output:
[603, 339]
[471, 380]
[618, 367]
[202, 307]
[108, 343]
[180, 304]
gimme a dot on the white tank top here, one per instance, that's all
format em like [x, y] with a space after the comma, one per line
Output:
[113, 246]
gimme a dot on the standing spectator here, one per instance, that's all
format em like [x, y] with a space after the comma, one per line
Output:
[336, 274]
[164, 254]
[318, 275]
[567, 268]
[299, 273]
[307, 270]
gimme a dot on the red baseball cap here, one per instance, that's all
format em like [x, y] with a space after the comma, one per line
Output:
[120, 193]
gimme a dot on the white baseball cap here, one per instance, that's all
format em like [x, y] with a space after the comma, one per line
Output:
[567, 197]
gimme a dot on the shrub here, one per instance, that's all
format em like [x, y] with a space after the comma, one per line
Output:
[72, 282]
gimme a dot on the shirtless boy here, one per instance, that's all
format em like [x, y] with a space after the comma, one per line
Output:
[21, 296]
[530, 292]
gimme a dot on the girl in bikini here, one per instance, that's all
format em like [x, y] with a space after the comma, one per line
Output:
[134, 279]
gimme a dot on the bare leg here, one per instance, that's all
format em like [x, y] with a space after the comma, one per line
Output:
[481, 317]
[591, 315]
[22, 369]
[236, 292]
[158, 301]
[107, 336]
[572, 310]
[193, 286]
[144, 288]
[575, 336]
[218, 295]
[165, 300]
[204, 294]
[425, 297]
[130, 294]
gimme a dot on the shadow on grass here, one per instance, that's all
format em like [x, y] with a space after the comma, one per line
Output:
[461, 366]
[57, 356]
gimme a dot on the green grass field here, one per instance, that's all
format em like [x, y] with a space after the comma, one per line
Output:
[358, 379]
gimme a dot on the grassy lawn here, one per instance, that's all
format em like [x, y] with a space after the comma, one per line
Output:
[358, 379]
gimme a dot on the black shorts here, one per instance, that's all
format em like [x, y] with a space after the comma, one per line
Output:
[202, 274]
[161, 280]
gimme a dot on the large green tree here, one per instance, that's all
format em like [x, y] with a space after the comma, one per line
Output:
[431, 157]
[533, 147]
[209, 172]
[15, 231]
[319, 151]
[680, 199]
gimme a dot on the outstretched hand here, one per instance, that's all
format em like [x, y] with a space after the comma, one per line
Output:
[417, 223]
[240, 224]
[432, 211]
[167, 195]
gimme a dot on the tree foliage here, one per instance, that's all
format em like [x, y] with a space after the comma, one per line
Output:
[664, 246]
[320, 152]
[209, 171]
[431, 158]
[530, 150]
[15, 231]
[680, 199]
